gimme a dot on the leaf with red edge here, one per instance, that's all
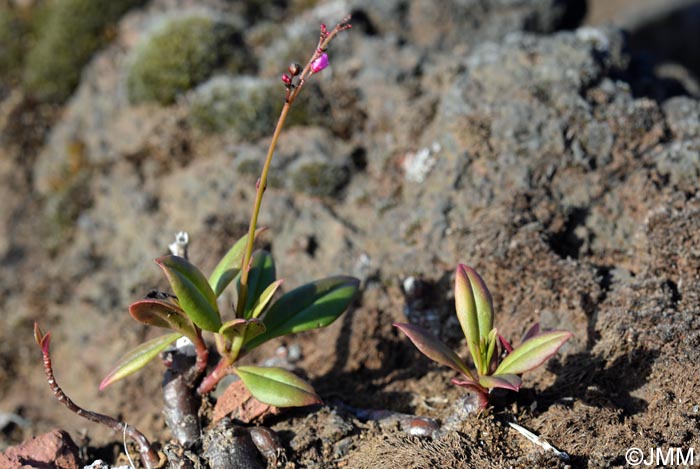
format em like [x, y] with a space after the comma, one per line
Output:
[466, 383]
[138, 358]
[474, 308]
[505, 343]
[434, 348]
[533, 352]
[239, 327]
[277, 387]
[480, 392]
[508, 381]
[532, 332]
[194, 295]
[39, 335]
[162, 313]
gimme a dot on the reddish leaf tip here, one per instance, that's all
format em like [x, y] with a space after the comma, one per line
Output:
[42, 339]
[505, 343]
[45, 341]
[38, 334]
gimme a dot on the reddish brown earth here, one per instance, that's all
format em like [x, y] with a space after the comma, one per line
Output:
[53, 450]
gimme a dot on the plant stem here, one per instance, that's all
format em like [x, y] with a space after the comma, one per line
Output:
[292, 93]
[260, 190]
[149, 457]
[200, 364]
[222, 369]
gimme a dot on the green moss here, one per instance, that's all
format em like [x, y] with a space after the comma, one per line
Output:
[320, 178]
[68, 33]
[245, 106]
[181, 53]
[12, 43]
[250, 167]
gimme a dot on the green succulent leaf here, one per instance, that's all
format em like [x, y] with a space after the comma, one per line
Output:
[261, 275]
[195, 296]
[254, 329]
[138, 358]
[533, 352]
[240, 327]
[474, 311]
[434, 348]
[162, 313]
[230, 265]
[233, 327]
[507, 381]
[314, 305]
[491, 346]
[277, 387]
[265, 297]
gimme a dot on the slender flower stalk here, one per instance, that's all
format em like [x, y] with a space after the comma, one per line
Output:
[149, 457]
[317, 62]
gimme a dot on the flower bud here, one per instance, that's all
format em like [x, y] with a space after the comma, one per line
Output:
[294, 69]
[286, 79]
[319, 63]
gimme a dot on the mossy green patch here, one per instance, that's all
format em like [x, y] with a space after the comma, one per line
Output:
[12, 43]
[318, 177]
[68, 33]
[181, 53]
[245, 106]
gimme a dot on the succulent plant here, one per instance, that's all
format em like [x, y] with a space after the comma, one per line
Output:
[192, 310]
[475, 313]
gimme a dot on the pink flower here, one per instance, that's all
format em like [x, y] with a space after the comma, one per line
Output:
[319, 63]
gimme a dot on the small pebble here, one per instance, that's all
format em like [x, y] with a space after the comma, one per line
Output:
[419, 426]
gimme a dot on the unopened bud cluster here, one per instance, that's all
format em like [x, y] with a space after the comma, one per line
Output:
[295, 76]
[287, 78]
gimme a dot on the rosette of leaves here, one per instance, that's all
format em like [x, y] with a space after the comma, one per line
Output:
[475, 313]
[193, 310]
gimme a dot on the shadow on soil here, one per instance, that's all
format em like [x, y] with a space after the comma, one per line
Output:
[590, 379]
